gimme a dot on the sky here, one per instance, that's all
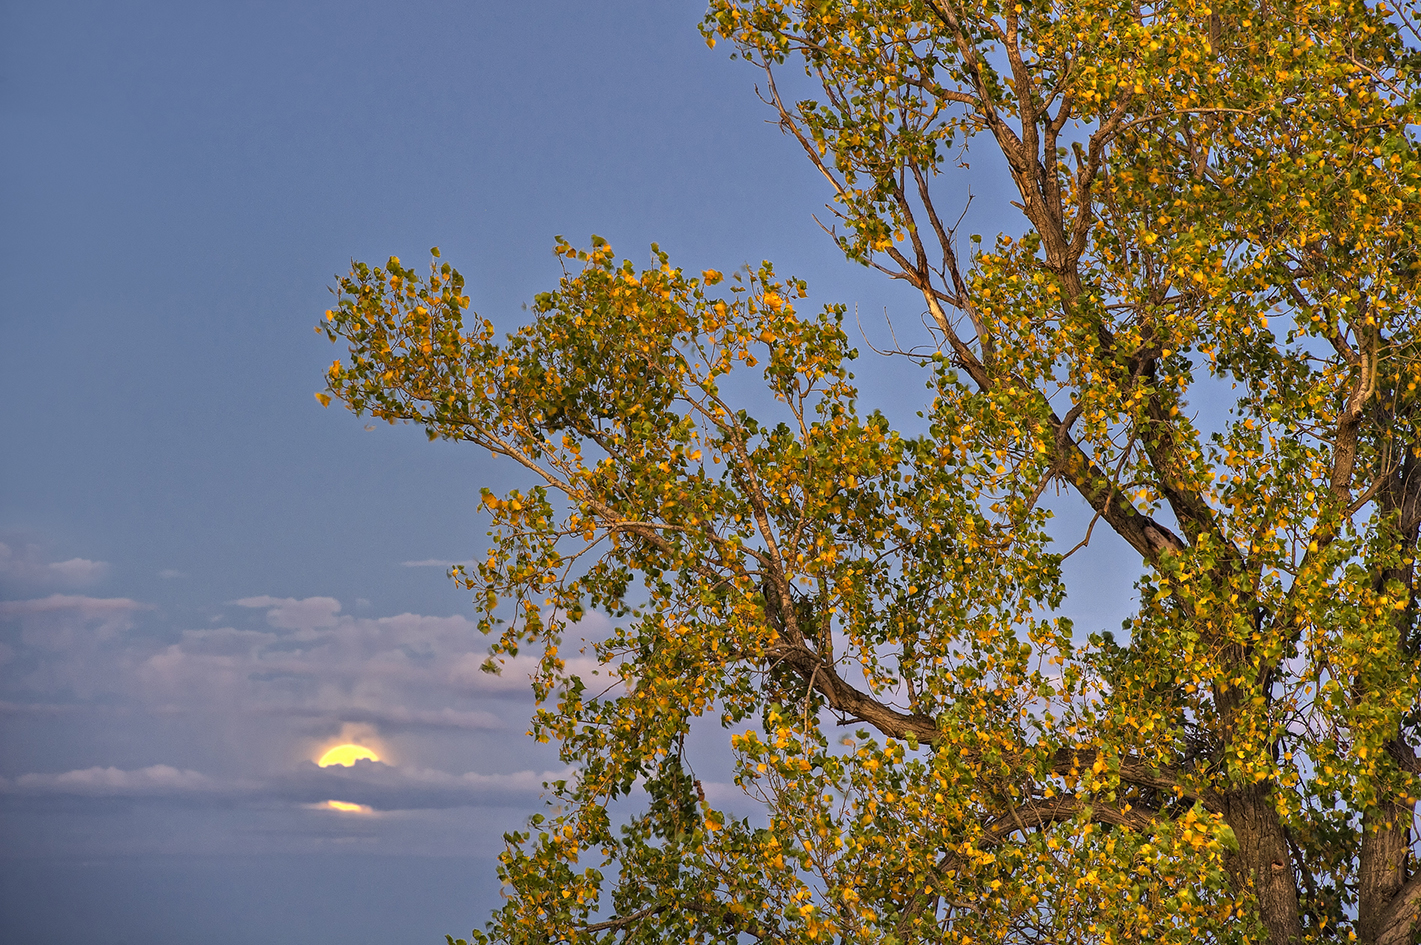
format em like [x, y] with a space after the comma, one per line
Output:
[206, 579]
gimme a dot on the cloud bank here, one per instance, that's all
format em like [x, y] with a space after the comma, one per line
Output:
[373, 784]
[300, 657]
[232, 712]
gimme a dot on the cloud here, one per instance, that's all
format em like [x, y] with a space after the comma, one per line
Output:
[398, 718]
[169, 574]
[79, 570]
[63, 621]
[25, 564]
[306, 660]
[40, 708]
[153, 781]
[438, 563]
[287, 675]
[309, 661]
[388, 787]
[310, 613]
[467, 674]
[70, 602]
[370, 783]
[69, 646]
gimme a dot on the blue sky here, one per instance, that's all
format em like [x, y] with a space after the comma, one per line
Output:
[204, 577]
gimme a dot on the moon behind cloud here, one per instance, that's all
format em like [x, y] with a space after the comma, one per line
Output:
[346, 755]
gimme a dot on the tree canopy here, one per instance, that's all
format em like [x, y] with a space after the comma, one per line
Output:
[1204, 326]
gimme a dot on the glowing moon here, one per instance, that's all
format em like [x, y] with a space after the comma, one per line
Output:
[346, 755]
[347, 807]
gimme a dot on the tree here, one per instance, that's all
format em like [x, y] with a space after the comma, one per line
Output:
[1206, 330]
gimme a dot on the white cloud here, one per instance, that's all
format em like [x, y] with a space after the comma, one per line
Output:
[25, 564]
[437, 563]
[312, 662]
[289, 613]
[405, 671]
[226, 641]
[283, 679]
[726, 795]
[80, 570]
[169, 574]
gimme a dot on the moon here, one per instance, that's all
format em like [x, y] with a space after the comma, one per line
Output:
[346, 755]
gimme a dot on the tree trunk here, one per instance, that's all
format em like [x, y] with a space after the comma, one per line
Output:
[1263, 862]
[1381, 873]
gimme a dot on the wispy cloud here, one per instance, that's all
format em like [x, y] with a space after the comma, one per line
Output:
[153, 781]
[373, 784]
[306, 660]
[62, 621]
[25, 565]
[387, 787]
[279, 681]
[438, 563]
[41, 708]
[300, 658]
[397, 718]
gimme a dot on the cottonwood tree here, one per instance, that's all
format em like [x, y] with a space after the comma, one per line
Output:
[1204, 327]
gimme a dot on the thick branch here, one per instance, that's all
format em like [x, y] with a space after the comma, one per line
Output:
[1147, 536]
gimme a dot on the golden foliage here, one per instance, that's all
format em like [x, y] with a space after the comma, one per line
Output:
[1205, 330]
